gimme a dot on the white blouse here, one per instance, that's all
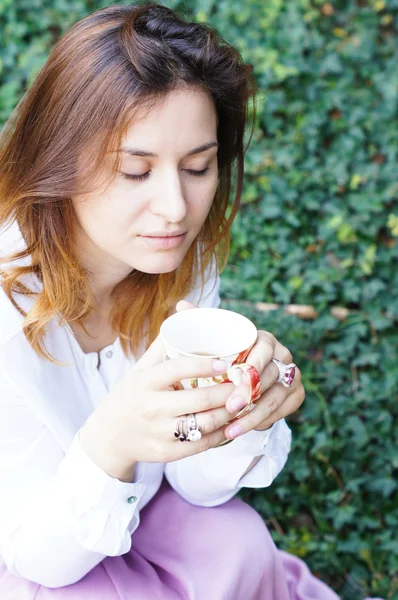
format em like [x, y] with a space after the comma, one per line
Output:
[60, 514]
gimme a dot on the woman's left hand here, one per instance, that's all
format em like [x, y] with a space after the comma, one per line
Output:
[276, 400]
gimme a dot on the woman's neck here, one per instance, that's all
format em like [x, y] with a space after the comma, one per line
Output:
[100, 332]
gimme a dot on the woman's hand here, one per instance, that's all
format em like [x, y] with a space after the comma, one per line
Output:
[137, 420]
[276, 401]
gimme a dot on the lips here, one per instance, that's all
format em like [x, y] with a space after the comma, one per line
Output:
[165, 241]
[163, 234]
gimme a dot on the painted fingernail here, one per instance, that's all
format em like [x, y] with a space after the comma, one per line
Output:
[219, 366]
[237, 403]
[234, 431]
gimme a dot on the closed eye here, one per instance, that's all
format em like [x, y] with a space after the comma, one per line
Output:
[197, 173]
[146, 175]
[137, 177]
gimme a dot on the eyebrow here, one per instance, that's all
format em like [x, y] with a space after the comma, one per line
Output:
[136, 152]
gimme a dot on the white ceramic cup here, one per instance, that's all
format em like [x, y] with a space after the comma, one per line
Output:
[218, 334]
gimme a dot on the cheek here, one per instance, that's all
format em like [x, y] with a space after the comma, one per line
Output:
[199, 208]
[211, 192]
[88, 213]
[207, 193]
[97, 216]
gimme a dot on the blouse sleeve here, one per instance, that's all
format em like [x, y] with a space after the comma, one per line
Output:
[60, 515]
[215, 476]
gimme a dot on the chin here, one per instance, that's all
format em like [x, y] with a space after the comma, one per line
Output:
[159, 265]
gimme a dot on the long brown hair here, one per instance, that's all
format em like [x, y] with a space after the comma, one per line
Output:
[104, 68]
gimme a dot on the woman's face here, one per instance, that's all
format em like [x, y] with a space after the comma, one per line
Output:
[148, 217]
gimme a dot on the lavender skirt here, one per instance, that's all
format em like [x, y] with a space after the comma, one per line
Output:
[185, 552]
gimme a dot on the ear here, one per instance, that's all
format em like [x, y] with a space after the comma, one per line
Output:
[184, 305]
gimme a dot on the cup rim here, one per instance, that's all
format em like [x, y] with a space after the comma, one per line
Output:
[225, 356]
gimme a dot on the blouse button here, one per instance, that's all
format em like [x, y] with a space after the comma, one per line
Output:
[109, 354]
[132, 499]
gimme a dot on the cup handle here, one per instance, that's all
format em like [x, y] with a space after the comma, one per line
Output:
[255, 389]
[254, 381]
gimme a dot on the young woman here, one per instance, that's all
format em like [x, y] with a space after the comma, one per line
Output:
[115, 175]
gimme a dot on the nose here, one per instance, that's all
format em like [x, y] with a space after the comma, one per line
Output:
[168, 198]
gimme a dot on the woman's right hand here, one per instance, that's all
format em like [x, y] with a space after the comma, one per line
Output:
[137, 420]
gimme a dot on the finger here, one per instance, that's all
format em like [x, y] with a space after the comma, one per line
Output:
[263, 350]
[240, 396]
[183, 402]
[153, 356]
[171, 371]
[260, 357]
[183, 449]
[276, 409]
[289, 406]
[212, 420]
[207, 421]
[274, 404]
[259, 413]
[184, 305]
[266, 348]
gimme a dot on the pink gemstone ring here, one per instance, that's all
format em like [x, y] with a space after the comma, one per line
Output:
[286, 372]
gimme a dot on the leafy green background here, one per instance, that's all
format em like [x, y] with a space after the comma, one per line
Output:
[319, 226]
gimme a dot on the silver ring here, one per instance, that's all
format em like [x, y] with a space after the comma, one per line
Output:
[194, 434]
[179, 431]
[286, 372]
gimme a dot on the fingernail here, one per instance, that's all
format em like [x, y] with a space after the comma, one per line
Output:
[234, 431]
[237, 403]
[219, 366]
